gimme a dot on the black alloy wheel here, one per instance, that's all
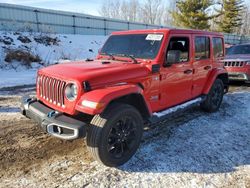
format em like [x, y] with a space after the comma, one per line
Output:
[114, 136]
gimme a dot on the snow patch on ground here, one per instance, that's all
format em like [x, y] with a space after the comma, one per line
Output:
[193, 149]
[9, 78]
[67, 47]
[9, 110]
[213, 146]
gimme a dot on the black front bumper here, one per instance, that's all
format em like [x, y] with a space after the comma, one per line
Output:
[55, 123]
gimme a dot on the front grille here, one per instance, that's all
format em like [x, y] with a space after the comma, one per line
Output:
[234, 63]
[51, 89]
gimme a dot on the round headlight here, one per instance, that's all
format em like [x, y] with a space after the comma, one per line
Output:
[71, 92]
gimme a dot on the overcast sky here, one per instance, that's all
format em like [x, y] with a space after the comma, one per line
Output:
[82, 6]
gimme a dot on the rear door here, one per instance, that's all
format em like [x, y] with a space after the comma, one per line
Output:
[176, 80]
[218, 49]
[202, 62]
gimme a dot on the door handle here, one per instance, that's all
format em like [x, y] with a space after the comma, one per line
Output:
[207, 67]
[188, 71]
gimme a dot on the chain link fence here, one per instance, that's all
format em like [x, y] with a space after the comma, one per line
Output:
[22, 18]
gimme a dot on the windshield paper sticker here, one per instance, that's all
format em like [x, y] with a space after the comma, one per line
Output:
[154, 37]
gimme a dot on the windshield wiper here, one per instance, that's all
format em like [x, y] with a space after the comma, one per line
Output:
[130, 56]
[110, 55]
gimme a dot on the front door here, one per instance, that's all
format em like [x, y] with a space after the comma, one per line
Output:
[176, 77]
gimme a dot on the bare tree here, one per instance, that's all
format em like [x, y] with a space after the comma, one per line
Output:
[151, 11]
[167, 19]
[111, 9]
[148, 11]
[125, 11]
[104, 9]
[245, 28]
[129, 10]
[116, 7]
[134, 6]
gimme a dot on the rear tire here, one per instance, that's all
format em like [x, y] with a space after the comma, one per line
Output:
[214, 97]
[114, 136]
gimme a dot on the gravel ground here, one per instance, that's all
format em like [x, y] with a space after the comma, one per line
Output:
[194, 149]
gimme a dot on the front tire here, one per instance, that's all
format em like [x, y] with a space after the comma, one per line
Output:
[114, 136]
[214, 97]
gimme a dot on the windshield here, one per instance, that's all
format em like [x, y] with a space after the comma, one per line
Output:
[241, 49]
[144, 46]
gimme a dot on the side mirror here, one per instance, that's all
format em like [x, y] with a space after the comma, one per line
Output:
[173, 56]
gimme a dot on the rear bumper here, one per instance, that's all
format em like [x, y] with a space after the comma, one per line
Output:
[240, 76]
[55, 123]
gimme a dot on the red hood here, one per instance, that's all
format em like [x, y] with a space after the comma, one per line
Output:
[238, 57]
[95, 72]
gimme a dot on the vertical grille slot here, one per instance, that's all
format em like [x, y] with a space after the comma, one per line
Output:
[234, 63]
[52, 90]
[57, 89]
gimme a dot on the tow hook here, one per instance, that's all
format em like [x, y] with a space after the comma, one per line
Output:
[51, 114]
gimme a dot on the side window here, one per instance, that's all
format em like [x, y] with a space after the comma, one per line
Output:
[202, 48]
[179, 48]
[218, 47]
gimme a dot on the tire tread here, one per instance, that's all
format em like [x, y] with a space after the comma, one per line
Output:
[99, 121]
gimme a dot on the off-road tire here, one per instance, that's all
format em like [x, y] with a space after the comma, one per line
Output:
[214, 97]
[105, 128]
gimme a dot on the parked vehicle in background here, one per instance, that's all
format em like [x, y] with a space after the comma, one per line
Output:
[139, 76]
[227, 46]
[237, 62]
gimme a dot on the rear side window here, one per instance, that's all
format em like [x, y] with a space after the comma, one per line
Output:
[218, 47]
[202, 48]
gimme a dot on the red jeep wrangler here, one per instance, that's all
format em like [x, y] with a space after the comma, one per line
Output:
[138, 76]
[237, 62]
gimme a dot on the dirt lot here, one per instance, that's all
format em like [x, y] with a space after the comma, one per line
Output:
[195, 149]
